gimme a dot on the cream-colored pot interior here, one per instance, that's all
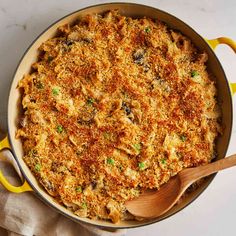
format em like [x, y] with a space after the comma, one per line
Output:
[132, 10]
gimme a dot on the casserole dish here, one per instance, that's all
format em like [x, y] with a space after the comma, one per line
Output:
[133, 10]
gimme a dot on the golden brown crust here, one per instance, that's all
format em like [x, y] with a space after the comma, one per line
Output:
[115, 106]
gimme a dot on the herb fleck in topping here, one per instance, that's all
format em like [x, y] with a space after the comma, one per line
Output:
[84, 205]
[78, 189]
[137, 147]
[163, 161]
[59, 129]
[110, 161]
[90, 101]
[194, 73]
[183, 138]
[141, 165]
[147, 29]
[55, 91]
[37, 167]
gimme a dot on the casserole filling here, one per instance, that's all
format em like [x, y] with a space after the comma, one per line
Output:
[115, 106]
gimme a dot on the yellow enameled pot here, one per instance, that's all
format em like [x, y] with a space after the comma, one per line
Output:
[225, 92]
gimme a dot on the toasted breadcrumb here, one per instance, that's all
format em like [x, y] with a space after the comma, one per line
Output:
[115, 106]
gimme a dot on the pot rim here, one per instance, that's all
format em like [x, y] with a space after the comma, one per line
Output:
[46, 201]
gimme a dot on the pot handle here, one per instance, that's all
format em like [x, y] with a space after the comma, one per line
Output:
[25, 187]
[223, 40]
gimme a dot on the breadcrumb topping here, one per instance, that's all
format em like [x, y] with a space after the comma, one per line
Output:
[115, 106]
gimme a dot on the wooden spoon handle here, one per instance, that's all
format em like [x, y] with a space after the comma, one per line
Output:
[192, 174]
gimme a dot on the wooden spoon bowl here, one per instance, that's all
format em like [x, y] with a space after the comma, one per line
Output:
[152, 204]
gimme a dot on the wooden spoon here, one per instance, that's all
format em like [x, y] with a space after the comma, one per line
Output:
[152, 204]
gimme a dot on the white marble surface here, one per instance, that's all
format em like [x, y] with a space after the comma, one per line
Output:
[213, 213]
